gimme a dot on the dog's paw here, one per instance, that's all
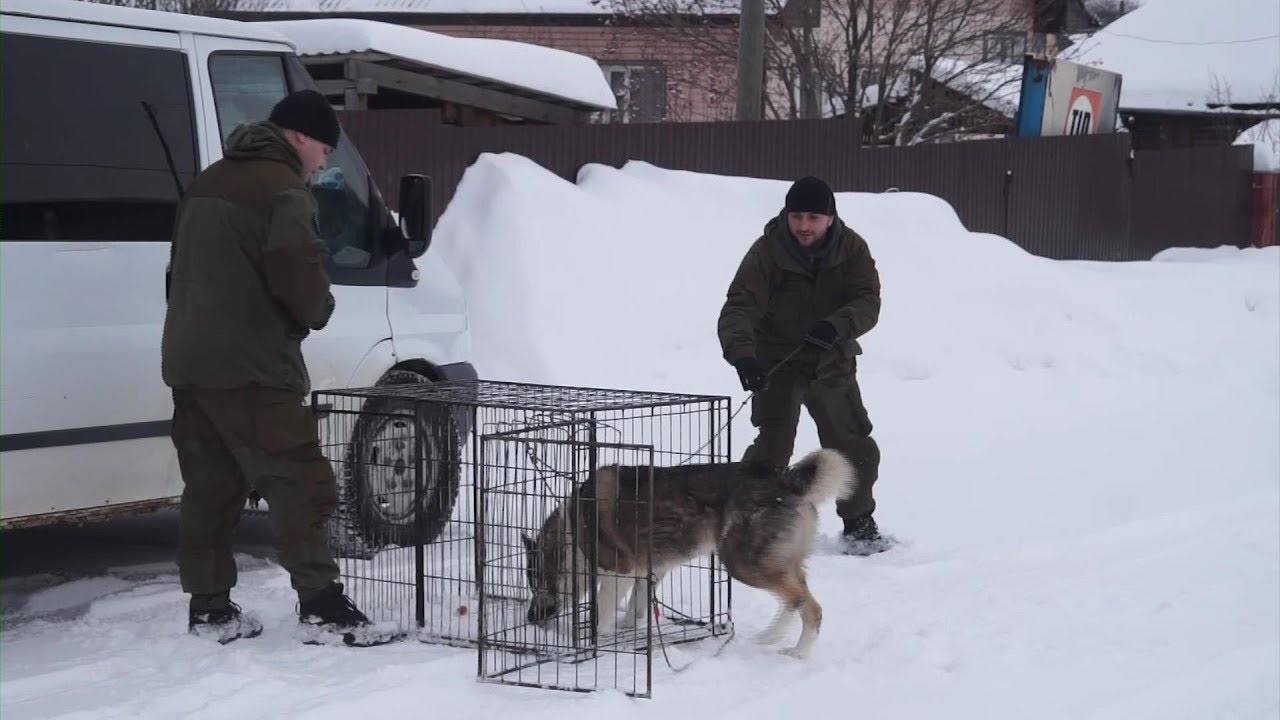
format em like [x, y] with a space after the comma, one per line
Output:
[607, 626]
[795, 652]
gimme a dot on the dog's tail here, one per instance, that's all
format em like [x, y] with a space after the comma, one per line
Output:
[823, 475]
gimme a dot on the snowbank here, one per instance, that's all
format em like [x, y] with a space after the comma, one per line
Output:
[567, 274]
[1080, 461]
[1221, 254]
[1265, 139]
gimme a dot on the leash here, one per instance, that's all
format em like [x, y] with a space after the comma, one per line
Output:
[662, 641]
[750, 396]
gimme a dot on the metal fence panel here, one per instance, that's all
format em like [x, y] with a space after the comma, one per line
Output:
[1088, 198]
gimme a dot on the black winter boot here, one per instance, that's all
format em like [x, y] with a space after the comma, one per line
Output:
[216, 617]
[329, 615]
[862, 537]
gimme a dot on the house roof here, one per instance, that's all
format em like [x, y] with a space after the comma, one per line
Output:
[545, 73]
[994, 85]
[1190, 56]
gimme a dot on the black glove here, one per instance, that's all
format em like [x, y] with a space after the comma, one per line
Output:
[751, 373]
[822, 334]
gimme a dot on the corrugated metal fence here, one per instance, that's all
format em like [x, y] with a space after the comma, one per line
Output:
[1087, 198]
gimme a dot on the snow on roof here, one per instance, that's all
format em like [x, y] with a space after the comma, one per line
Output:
[1265, 138]
[556, 73]
[90, 12]
[482, 7]
[1188, 55]
[994, 85]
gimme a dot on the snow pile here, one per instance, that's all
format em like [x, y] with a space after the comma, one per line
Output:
[569, 284]
[1220, 254]
[1174, 55]
[1080, 461]
[546, 70]
[1265, 139]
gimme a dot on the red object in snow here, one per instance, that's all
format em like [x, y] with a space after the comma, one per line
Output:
[1265, 227]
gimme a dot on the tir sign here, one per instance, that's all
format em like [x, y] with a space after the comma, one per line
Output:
[1083, 111]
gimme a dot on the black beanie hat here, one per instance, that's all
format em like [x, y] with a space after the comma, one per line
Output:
[809, 194]
[310, 114]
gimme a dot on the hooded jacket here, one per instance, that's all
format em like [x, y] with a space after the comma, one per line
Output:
[247, 271]
[780, 290]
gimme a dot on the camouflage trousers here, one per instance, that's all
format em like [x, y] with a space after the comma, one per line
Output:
[835, 404]
[229, 442]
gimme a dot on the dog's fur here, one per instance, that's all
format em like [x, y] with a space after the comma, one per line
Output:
[761, 524]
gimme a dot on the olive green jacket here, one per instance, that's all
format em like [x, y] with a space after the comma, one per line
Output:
[780, 290]
[247, 271]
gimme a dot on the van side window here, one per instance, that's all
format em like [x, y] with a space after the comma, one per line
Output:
[80, 155]
[245, 88]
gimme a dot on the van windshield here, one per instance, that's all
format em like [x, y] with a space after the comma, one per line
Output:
[245, 88]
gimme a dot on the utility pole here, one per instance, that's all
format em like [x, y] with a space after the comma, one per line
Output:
[751, 60]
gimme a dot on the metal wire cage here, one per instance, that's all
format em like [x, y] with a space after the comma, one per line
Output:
[448, 486]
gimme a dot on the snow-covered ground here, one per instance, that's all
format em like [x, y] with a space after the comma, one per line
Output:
[1081, 462]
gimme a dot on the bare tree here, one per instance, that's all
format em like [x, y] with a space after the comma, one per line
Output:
[1108, 11]
[936, 78]
[912, 70]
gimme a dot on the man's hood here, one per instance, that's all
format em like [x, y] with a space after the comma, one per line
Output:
[833, 252]
[262, 141]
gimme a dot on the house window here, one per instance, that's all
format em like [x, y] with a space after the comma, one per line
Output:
[641, 90]
[1004, 46]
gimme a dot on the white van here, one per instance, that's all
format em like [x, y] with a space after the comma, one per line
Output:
[107, 113]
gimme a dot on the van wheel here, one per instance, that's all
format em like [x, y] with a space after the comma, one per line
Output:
[383, 458]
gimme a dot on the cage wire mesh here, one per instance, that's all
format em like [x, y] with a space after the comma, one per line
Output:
[444, 485]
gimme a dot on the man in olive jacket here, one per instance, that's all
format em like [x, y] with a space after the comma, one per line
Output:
[804, 293]
[247, 284]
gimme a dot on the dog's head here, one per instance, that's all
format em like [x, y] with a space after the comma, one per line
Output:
[543, 573]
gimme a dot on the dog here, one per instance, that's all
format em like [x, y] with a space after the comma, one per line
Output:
[761, 522]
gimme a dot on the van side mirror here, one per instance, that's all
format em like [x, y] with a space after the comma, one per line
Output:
[415, 213]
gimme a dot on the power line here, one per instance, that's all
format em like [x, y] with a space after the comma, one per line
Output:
[1189, 42]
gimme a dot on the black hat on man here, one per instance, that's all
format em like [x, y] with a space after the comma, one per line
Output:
[310, 114]
[810, 194]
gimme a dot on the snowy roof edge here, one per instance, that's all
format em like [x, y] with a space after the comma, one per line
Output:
[555, 74]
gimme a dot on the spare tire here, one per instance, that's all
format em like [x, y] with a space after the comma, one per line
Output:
[388, 445]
